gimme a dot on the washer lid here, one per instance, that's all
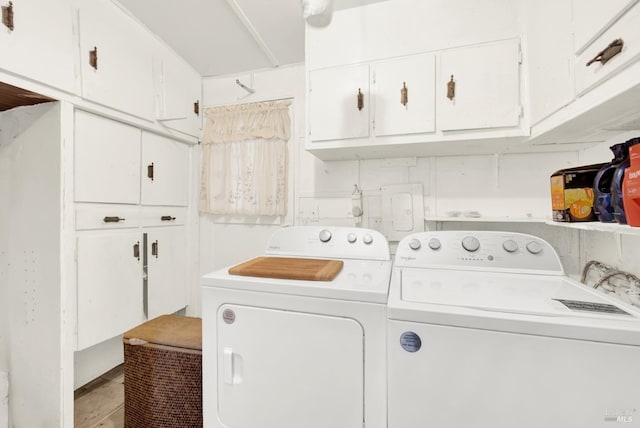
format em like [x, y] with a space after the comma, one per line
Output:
[542, 295]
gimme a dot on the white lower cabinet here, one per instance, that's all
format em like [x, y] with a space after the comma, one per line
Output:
[166, 290]
[110, 288]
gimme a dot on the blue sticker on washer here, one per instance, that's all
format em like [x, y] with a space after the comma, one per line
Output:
[410, 341]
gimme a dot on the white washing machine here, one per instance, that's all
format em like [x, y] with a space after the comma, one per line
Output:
[290, 353]
[486, 331]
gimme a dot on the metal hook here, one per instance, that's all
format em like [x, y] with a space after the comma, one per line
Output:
[245, 87]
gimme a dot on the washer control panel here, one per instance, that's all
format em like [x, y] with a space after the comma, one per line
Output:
[478, 250]
[329, 242]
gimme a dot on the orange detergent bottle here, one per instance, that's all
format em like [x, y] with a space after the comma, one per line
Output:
[631, 187]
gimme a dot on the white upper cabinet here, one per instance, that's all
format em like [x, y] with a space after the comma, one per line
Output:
[339, 103]
[404, 100]
[116, 59]
[164, 171]
[592, 17]
[107, 160]
[178, 94]
[479, 87]
[41, 44]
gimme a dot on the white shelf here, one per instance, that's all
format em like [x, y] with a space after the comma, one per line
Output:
[487, 219]
[598, 227]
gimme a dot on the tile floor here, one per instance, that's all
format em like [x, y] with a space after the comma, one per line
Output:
[100, 403]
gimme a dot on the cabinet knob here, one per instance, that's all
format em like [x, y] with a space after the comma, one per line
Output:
[114, 219]
[93, 57]
[451, 89]
[154, 249]
[607, 53]
[7, 16]
[360, 100]
[404, 94]
[150, 171]
[136, 250]
[167, 218]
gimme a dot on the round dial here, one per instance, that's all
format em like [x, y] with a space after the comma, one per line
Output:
[434, 244]
[352, 238]
[325, 235]
[534, 247]
[470, 243]
[414, 244]
[510, 246]
[367, 239]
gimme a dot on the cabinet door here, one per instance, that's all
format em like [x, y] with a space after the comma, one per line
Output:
[122, 78]
[487, 87]
[334, 111]
[107, 160]
[165, 171]
[592, 17]
[416, 74]
[110, 287]
[166, 270]
[41, 44]
[178, 94]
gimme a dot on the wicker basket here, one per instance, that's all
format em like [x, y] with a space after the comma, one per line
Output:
[163, 373]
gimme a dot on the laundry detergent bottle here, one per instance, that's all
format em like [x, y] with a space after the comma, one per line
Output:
[602, 203]
[631, 188]
[617, 198]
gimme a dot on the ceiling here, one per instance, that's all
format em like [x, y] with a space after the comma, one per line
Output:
[221, 37]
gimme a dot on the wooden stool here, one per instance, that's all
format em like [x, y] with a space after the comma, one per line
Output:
[163, 373]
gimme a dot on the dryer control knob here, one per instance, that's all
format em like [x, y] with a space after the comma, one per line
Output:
[414, 244]
[510, 246]
[352, 238]
[325, 235]
[470, 243]
[534, 247]
[434, 244]
[367, 239]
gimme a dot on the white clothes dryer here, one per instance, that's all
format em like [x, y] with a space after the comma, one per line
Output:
[486, 331]
[291, 353]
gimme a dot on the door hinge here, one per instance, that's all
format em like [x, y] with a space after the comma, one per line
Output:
[196, 108]
[93, 57]
[7, 16]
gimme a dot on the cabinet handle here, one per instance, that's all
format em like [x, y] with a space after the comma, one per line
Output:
[154, 249]
[607, 53]
[150, 171]
[136, 250]
[360, 100]
[115, 219]
[451, 89]
[404, 94]
[167, 218]
[7, 16]
[93, 57]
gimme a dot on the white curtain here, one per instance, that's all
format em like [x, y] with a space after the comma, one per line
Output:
[244, 159]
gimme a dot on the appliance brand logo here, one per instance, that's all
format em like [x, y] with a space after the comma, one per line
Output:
[633, 175]
[624, 416]
[274, 247]
[407, 258]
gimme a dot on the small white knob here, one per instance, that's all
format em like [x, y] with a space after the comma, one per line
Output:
[470, 243]
[367, 239]
[534, 247]
[325, 235]
[510, 246]
[434, 244]
[352, 238]
[414, 244]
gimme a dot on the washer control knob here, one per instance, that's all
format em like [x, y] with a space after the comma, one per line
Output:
[325, 235]
[434, 244]
[352, 238]
[470, 243]
[534, 247]
[367, 239]
[414, 244]
[510, 246]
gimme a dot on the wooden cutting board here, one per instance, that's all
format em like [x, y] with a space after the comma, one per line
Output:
[289, 268]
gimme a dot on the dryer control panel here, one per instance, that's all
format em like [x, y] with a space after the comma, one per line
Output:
[479, 250]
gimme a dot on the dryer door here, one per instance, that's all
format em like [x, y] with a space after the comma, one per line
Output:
[289, 369]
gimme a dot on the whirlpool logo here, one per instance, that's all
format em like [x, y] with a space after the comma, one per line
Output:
[624, 416]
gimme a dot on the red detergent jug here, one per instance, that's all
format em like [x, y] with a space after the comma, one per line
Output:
[631, 187]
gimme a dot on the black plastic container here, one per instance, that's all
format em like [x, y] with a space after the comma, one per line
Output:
[616, 184]
[602, 204]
